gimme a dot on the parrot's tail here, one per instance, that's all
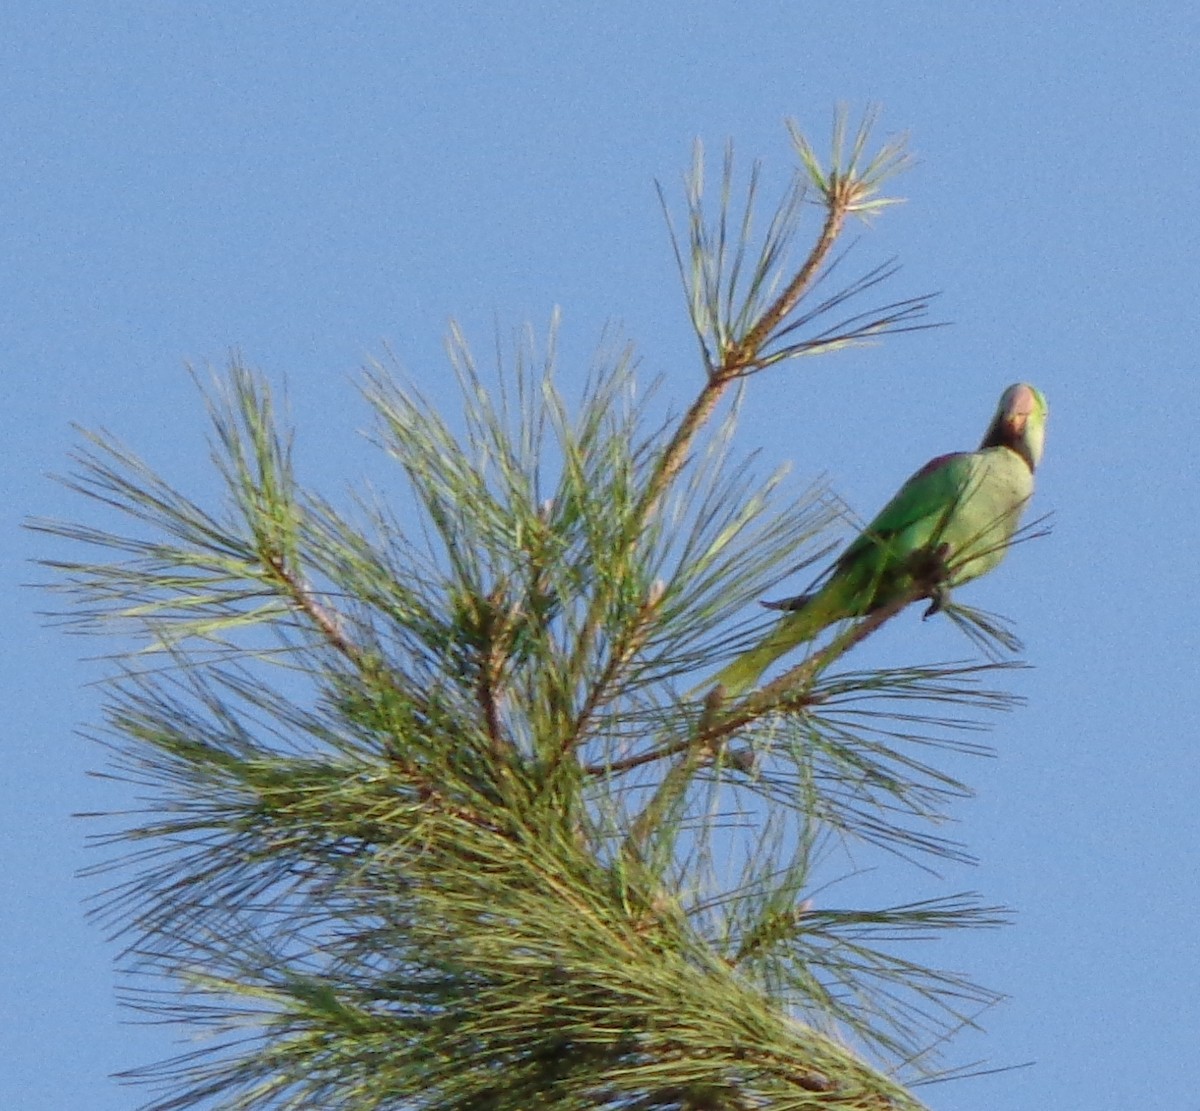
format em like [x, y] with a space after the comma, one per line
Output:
[796, 602]
[794, 628]
[806, 615]
[742, 674]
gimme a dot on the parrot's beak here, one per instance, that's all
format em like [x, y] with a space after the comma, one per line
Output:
[1021, 407]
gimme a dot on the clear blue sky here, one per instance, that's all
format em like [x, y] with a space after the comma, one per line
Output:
[313, 183]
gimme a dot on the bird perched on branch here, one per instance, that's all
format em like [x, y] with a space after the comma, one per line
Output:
[957, 514]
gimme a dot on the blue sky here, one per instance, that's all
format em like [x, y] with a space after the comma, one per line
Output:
[316, 184]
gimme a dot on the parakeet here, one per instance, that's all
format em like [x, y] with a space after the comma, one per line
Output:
[962, 509]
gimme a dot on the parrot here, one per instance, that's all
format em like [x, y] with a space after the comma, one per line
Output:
[962, 509]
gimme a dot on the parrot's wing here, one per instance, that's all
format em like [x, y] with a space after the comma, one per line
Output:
[911, 520]
[919, 510]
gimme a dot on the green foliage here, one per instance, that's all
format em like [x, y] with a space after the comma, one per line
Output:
[427, 819]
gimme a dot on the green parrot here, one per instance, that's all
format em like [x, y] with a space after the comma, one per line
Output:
[962, 509]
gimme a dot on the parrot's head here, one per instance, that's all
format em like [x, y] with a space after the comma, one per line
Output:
[1020, 423]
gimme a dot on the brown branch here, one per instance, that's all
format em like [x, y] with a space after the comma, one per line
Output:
[497, 634]
[330, 626]
[326, 620]
[746, 353]
[634, 638]
[489, 704]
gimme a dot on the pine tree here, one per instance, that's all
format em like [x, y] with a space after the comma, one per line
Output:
[439, 814]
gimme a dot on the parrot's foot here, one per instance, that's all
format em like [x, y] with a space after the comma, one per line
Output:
[936, 573]
[938, 597]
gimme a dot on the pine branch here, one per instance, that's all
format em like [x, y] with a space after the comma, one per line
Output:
[848, 187]
[421, 821]
[840, 203]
